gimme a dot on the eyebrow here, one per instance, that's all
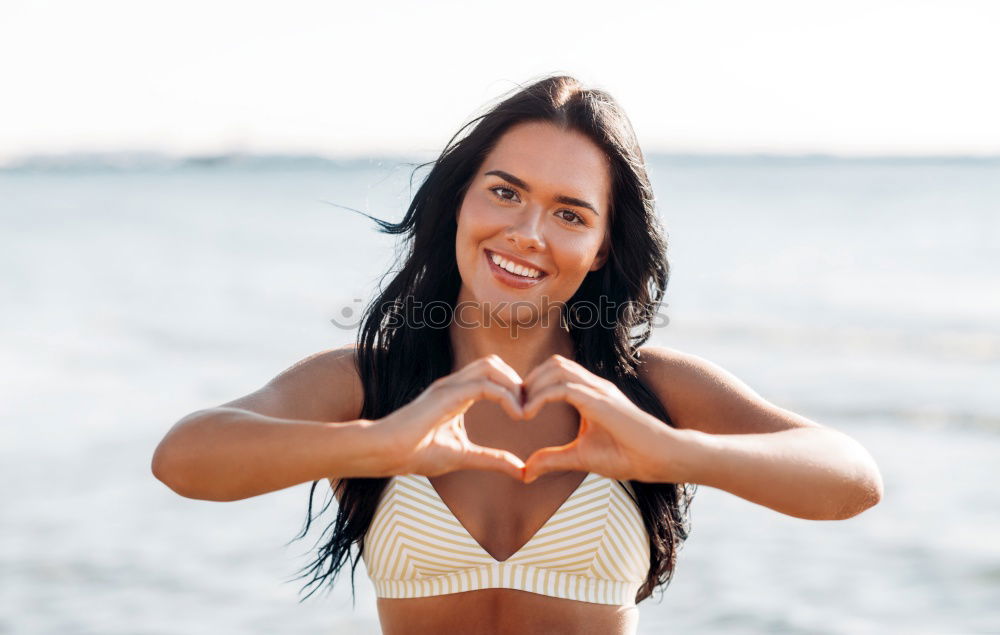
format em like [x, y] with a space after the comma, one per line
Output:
[568, 200]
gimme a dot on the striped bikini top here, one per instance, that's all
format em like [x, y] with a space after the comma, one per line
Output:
[594, 548]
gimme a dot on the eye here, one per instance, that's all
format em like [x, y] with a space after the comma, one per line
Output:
[509, 195]
[576, 218]
[500, 191]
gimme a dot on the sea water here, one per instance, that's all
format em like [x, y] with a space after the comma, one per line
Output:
[862, 294]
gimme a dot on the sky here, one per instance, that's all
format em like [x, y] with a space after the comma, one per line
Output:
[877, 77]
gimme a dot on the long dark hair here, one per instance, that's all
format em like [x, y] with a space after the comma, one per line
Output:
[633, 279]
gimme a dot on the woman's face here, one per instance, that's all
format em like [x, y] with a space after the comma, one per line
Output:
[538, 205]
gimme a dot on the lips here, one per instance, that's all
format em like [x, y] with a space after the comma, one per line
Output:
[510, 279]
[517, 261]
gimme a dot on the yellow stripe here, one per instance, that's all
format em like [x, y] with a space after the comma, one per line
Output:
[562, 536]
[593, 548]
[403, 511]
[408, 539]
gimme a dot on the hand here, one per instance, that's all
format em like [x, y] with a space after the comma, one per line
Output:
[616, 438]
[427, 436]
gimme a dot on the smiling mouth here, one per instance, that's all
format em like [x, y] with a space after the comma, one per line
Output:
[515, 268]
[513, 274]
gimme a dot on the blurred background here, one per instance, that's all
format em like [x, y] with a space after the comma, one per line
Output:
[828, 174]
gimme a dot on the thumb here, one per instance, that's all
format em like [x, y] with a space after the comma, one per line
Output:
[553, 459]
[480, 458]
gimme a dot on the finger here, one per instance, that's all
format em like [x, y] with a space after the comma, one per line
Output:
[560, 370]
[480, 458]
[484, 388]
[498, 364]
[577, 395]
[496, 369]
[544, 377]
[555, 459]
[492, 361]
[552, 361]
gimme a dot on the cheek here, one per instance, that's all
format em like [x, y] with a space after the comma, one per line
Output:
[472, 228]
[577, 253]
[477, 221]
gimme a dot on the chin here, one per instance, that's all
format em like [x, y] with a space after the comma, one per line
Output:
[526, 309]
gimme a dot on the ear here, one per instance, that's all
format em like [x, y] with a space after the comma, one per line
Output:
[602, 254]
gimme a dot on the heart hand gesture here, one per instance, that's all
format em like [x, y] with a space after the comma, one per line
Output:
[427, 436]
[616, 438]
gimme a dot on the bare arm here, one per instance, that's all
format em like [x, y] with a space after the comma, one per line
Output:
[815, 473]
[302, 426]
[735, 440]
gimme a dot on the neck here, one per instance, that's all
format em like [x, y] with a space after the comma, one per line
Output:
[521, 345]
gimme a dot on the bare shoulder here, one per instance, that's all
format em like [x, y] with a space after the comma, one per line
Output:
[701, 395]
[324, 386]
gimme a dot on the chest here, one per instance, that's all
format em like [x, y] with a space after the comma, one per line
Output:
[498, 512]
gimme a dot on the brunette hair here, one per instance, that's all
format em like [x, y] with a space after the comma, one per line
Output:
[634, 278]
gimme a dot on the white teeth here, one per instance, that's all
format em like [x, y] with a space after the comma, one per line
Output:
[518, 270]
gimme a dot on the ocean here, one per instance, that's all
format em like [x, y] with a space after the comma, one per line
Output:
[863, 294]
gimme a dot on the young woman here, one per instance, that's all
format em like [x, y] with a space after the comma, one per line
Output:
[506, 453]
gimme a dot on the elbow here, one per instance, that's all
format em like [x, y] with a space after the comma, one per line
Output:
[176, 465]
[862, 483]
[166, 469]
[162, 471]
[171, 473]
[866, 492]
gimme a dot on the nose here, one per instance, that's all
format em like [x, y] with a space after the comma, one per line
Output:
[526, 232]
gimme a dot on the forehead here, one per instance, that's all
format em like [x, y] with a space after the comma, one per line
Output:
[553, 161]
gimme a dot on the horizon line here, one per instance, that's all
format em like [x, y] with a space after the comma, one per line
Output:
[144, 159]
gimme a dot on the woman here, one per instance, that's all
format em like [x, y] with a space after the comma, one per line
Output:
[507, 455]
